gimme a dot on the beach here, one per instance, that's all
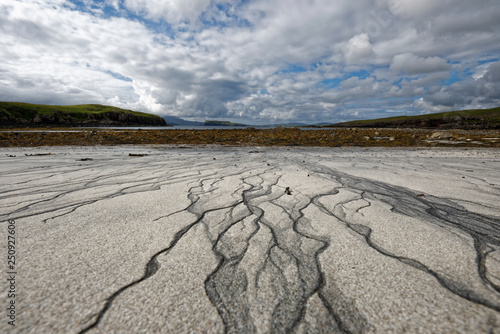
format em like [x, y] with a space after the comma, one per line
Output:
[185, 238]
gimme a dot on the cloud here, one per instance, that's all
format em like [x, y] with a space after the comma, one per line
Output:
[358, 48]
[411, 64]
[493, 73]
[253, 60]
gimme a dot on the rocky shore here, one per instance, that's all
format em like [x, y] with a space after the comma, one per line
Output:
[254, 137]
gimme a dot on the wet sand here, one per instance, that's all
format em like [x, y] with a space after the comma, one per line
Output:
[143, 239]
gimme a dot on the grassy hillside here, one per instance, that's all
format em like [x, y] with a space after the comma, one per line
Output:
[463, 119]
[26, 114]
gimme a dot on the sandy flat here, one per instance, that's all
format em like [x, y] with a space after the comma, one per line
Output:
[252, 239]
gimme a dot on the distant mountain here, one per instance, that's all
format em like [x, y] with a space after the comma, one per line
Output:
[322, 124]
[291, 124]
[222, 123]
[462, 119]
[172, 120]
[34, 115]
[283, 125]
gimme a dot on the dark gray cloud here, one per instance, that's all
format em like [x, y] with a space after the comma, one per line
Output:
[411, 64]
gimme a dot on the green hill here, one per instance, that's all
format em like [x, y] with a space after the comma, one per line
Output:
[33, 115]
[463, 119]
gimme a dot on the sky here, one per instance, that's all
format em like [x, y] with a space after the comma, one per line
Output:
[254, 61]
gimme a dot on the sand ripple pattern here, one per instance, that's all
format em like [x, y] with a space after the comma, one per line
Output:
[259, 241]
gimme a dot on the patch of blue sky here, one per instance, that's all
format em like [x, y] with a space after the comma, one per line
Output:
[490, 60]
[92, 7]
[468, 72]
[159, 27]
[455, 76]
[260, 92]
[351, 106]
[362, 74]
[293, 68]
[227, 11]
[76, 5]
[335, 82]
[331, 83]
[119, 76]
[322, 64]
[410, 78]
[398, 82]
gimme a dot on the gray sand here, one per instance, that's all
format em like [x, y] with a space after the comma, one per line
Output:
[252, 240]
